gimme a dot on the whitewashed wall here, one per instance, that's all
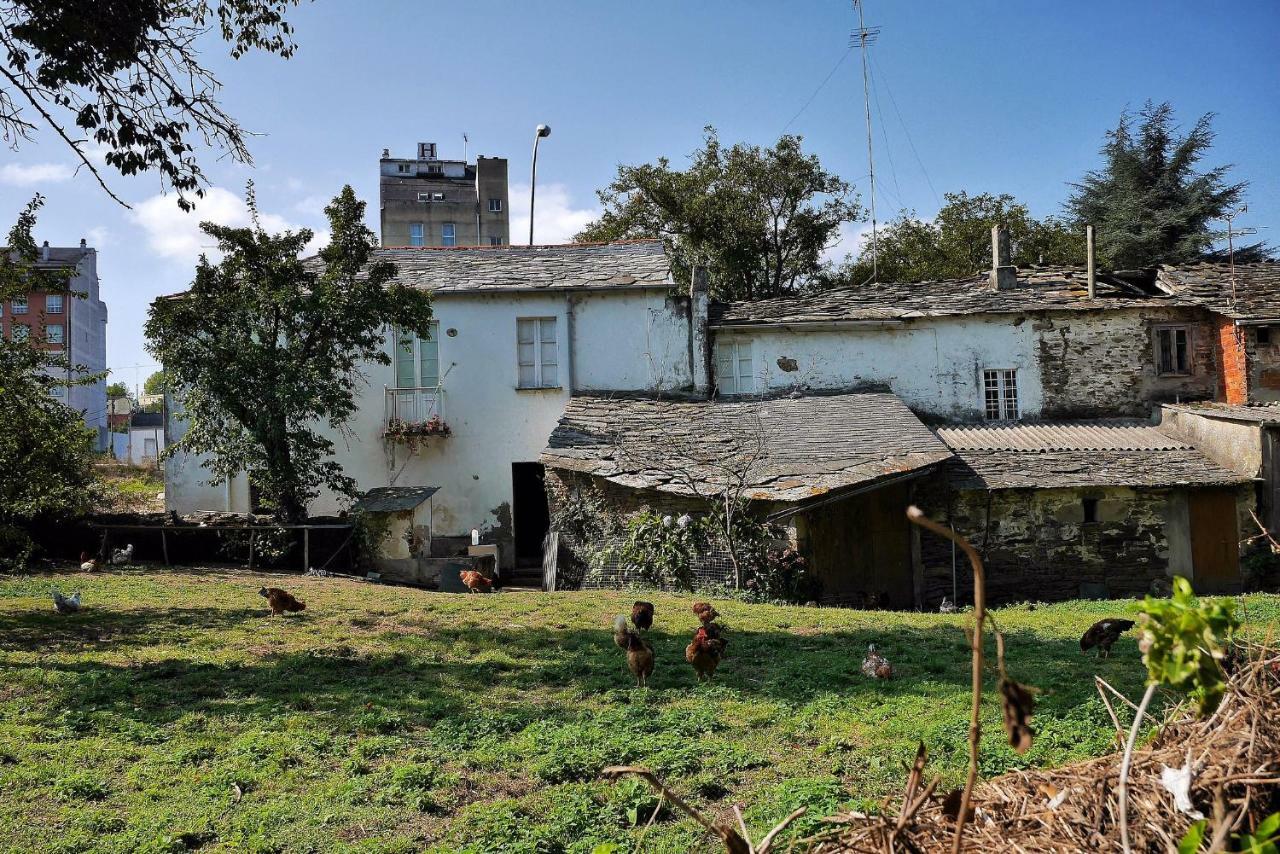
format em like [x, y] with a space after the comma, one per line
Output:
[935, 365]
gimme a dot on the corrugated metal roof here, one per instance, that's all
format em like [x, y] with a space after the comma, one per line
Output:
[1092, 436]
[1262, 413]
[392, 499]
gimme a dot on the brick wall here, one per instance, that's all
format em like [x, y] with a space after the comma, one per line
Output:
[1234, 361]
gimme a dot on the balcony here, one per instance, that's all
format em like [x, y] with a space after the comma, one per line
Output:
[410, 414]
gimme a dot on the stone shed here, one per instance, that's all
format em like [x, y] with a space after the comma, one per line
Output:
[838, 470]
[1082, 509]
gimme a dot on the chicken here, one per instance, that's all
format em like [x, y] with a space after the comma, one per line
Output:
[66, 604]
[1103, 634]
[705, 612]
[947, 606]
[475, 581]
[876, 665]
[88, 564]
[705, 650]
[122, 557]
[642, 615]
[280, 601]
[639, 652]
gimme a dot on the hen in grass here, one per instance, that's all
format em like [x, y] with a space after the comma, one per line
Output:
[66, 604]
[89, 564]
[639, 652]
[475, 581]
[705, 650]
[642, 615]
[281, 601]
[122, 557]
[876, 665]
[1103, 634]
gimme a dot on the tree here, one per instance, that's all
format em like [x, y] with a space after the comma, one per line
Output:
[957, 242]
[156, 384]
[45, 448]
[127, 75]
[758, 219]
[1148, 202]
[265, 348]
[117, 390]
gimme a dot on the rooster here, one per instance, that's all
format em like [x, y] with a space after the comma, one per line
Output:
[642, 615]
[122, 557]
[88, 564]
[876, 665]
[705, 650]
[705, 612]
[1103, 634]
[66, 604]
[639, 652]
[475, 581]
[280, 601]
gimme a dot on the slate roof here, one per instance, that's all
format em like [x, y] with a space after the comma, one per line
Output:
[498, 269]
[1261, 413]
[1077, 455]
[392, 499]
[1256, 294]
[1038, 289]
[803, 446]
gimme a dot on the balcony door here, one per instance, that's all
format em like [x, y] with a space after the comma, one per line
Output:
[417, 374]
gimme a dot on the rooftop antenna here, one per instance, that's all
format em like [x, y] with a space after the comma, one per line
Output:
[861, 38]
[464, 147]
[1232, 231]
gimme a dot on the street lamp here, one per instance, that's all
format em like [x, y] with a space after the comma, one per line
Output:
[543, 131]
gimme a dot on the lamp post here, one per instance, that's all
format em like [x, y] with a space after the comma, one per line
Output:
[543, 131]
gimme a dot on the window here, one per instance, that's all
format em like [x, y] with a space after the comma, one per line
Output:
[415, 234]
[19, 305]
[495, 240]
[424, 197]
[734, 367]
[1000, 394]
[437, 197]
[446, 235]
[149, 449]
[58, 391]
[495, 206]
[536, 355]
[53, 333]
[53, 304]
[20, 332]
[435, 169]
[1264, 336]
[1090, 508]
[1172, 353]
[404, 168]
[418, 359]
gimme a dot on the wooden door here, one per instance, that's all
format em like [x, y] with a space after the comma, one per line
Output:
[1271, 479]
[1215, 537]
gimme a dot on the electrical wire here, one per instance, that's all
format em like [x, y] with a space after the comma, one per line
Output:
[821, 86]
[907, 131]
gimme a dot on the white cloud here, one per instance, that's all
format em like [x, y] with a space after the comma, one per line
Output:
[175, 235]
[98, 237]
[26, 175]
[849, 240]
[558, 220]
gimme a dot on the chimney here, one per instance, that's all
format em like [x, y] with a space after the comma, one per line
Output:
[44, 251]
[1004, 276]
[699, 339]
[386, 154]
[83, 245]
[426, 151]
[1089, 250]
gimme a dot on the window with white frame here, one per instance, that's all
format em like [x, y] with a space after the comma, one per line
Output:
[53, 333]
[415, 234]
[734, 366]
[58, 391]
[418, 359]
[1173, 351]
[1000, 394]
[18, 305]
[495, 206]
[447, 237]
[536, 355]
[20, 332]
[53, 304]
[404, 168]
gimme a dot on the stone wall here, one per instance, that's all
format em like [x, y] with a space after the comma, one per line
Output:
[1096, 364]
[1264, 365]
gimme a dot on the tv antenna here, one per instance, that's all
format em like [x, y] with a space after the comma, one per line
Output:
[862, 38]
[1232, 232]
[464, 147]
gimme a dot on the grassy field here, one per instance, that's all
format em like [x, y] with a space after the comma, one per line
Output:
[172, 715]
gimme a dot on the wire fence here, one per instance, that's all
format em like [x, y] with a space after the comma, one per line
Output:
[710, 569]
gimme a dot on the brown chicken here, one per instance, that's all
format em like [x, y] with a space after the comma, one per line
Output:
[639, 652]
[705, 651]
[89, 564]
[705, 612]
[876, 665]
[475, 581]
[280, 601]
[642, 615]
[1103, 634]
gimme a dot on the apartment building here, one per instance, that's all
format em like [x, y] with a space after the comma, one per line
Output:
[428, 201]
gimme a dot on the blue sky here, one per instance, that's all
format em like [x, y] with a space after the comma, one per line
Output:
[994, 96]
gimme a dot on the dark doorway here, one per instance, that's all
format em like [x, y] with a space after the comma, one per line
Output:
[1215, 549]
[529, 512]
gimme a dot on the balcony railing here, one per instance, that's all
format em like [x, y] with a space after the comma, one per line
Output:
[413, 408]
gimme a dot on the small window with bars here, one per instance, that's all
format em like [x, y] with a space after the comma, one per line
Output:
[735, 372]
[1173, 352]
[1000, 394]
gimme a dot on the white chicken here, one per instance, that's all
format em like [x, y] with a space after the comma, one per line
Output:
[89, 564]
[122, 557]
[947, 606]
[876, 665]
[66, 604]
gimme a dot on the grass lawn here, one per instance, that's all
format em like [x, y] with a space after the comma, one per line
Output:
[172, 715]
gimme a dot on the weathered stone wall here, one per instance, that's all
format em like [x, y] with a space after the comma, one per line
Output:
[1100, 364]
[1264, 366]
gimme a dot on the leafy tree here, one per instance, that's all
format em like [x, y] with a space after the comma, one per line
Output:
[957, 242]
[1148, 202]
[127, 75]
[115, 390]
[265, 348]
[45, 448]
[154, 384]
[758, 219]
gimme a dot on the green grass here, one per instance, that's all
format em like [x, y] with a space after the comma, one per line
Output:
[172, 715]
